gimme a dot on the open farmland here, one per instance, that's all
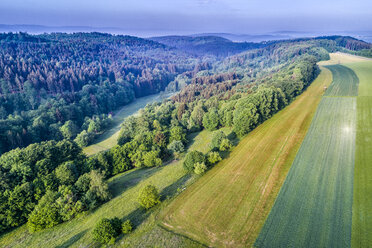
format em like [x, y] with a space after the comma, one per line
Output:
[345, 81]
[314, 206]
[362, 204]
[227, 207]
[319, 224]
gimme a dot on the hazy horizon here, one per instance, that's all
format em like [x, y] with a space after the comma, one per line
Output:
[194, 16]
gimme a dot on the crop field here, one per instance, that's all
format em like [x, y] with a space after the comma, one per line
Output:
[345, 81]
[362, 205]
[364, 72]
[314, 206]
[330, 180]
[228, 206]
[109, 138]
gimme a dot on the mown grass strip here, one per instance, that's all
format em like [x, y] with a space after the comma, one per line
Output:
[345, 82]
[228, 206]
[362, 204]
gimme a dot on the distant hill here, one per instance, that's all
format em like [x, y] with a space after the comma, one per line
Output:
[206, 45]
[39, 29]
[247, 37]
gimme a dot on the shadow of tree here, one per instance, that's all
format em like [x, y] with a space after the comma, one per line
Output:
[191, 139]
[72, 240]
[130, 179]
[171, 190]
[138, 216]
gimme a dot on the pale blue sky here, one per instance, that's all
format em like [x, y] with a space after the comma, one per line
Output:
[239, 16]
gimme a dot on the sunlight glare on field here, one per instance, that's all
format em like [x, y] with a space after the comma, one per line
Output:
[347, 129]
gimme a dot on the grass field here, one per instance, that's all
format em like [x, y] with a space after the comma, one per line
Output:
[124, 188]
[345, 81]
[362, 200]
[228, 205]
[325, 200]
[109, 138]
[314, 206]
[362, 205]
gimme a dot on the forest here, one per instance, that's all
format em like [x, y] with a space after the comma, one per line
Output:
[58, 90]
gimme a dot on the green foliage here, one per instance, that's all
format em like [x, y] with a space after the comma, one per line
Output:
[176, 147]
[151, 159]
[225, 145]
[98, 190]
[69, 130]
[105, 231]
[191, 159]
[218, 136]
[245, 117]
[45, 214]
[127, 227]
[213, 157]
[67, 173]
[84, 138]
[200, 168]
[211, 120]
[120, 160]
[177, 134]
[149, 197]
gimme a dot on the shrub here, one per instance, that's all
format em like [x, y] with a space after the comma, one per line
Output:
[45, 213]
[200, 168]
[191, 159]
[149, 196]
[225, 145]
[84, 138]
[127, 227]
[176, 147]
[217, 138]
[151, 159]
[214, 157]
[104, 232]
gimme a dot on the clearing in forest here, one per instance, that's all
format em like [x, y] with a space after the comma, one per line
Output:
[228, 205]
[109, 138]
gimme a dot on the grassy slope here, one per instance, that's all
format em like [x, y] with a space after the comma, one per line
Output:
[125, 188]
[109, 138]
[362, 204]
[228, 206]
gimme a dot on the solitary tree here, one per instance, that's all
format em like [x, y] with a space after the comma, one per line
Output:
[149, 196]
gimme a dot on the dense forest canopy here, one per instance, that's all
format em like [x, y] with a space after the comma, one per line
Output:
[47, 80]
[207, 45]
[61, 88]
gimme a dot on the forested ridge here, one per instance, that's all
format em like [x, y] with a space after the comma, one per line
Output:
[47, 80]
[50, 182]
